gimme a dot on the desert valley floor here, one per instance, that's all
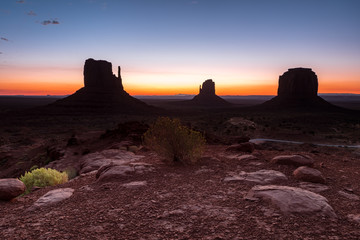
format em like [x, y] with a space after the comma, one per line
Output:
[215, 198]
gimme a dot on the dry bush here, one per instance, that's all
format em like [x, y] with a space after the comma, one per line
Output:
[173, 141]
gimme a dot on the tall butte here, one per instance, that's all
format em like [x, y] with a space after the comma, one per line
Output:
[298, 88]
[207, 96]
[102, 92]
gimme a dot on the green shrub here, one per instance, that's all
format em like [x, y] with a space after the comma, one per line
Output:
[174, 141]
[43, 177]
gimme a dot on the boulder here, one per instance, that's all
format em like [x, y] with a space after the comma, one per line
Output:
[117, 171]
[11, 188]
[308, 174]
[242, 147]
[260, 177]
[112, 172]
[295, 160]
[94, 161]
[53, 197]
[291, 200]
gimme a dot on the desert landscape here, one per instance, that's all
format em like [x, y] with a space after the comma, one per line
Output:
[269, 170]
[181, 119]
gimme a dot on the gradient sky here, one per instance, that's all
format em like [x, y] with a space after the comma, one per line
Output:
[172, 46]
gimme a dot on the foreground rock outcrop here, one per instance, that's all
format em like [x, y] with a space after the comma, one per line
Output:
[261, 177]
[308, 174]
[298, 88]
[294, 160]
[11, 188]
[52, 197]
[291, 200]
[102, 92]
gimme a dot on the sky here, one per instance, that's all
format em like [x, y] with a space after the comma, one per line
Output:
[167, 47]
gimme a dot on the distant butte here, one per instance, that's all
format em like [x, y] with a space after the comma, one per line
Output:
[207, 96]
[102, 92]
[298, 88]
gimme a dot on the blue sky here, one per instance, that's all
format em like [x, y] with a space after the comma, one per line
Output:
[177, 44]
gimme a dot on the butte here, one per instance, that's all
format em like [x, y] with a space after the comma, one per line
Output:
[298, 89]
[103, 92]
[207, 96]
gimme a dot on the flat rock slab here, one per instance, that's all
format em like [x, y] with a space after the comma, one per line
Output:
[94, 161]
[308, 174]
[247, 157]
[313, 187]
[53, 197]
[295, 160]
[115, 172]
[349, 196]
[134, 184]
[260, 177]
[11, 188]
[291, 200]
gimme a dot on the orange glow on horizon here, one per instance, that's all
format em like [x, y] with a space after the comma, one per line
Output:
[68, 82]
[55, 88]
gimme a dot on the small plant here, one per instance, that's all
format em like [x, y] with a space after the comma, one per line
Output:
[42, 177]
[34, 167]
[174, 141]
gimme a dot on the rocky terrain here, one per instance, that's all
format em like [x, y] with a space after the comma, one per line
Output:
[239, 191]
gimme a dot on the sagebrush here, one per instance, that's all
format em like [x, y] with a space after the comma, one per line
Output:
[173, 141]
[42, 177]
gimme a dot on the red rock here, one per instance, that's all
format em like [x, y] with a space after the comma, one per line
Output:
[295, 160]
[11, 188]
[291, 200]
[308, 174]
[242, 147]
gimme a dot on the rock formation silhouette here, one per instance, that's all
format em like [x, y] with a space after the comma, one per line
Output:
[298, 83]
[207, 96]
[102, 91]
[298, 88]
[98, 76]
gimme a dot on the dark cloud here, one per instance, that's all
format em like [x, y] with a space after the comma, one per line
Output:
[1, 53]
[47, 22]
[31, 13]
[4, 39]
[20, 1]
